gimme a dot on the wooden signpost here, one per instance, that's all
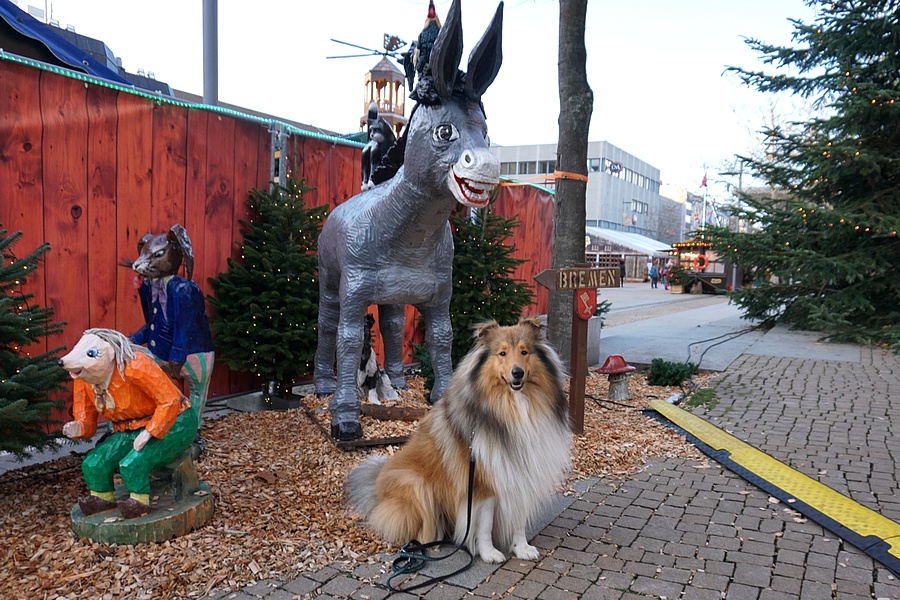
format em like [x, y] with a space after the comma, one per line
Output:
[584, 281]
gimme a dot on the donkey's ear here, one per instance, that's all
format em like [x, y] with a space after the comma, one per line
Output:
[447, 53]
[485, 58]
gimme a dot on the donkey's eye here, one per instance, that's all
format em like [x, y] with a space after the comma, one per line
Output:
[445, 132]
[93, 353]
[159, 253]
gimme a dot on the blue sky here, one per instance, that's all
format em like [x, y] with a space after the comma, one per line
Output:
[655, 66]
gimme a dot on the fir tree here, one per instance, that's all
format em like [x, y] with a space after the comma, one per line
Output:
[826, 253]
[483, 287]
[266, 304]
[26, 382]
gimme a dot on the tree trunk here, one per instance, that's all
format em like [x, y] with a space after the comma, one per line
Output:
[576, 102]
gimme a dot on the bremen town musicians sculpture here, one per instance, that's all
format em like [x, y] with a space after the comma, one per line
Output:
[176, 329]
[152, 422]
[391, 245]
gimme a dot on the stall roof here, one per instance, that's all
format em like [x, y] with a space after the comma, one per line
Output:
[637, 243]
[63, 50]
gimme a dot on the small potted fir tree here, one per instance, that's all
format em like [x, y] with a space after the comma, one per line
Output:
[679, 279]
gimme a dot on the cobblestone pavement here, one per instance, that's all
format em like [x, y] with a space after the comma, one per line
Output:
[693, 530]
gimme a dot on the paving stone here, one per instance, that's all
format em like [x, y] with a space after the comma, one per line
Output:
[790, 585]
[815, 590]
[572, 584]
[710, 581]
[609, 563]
[691, 564]
[280, 594]
[656, 587]
[776, 595]
[370, 592]
[544, 576]
[341, 586]
[737, 591]
[754, 575]
[301, 586]
[445, 592]
[527, 589]
[828, 561]
[260, 588]
[596, 592]
[682, 576]
[713, 554]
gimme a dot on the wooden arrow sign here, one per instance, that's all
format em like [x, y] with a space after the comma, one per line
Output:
[576, 278]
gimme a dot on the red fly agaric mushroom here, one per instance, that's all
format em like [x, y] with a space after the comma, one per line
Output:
[618, 371]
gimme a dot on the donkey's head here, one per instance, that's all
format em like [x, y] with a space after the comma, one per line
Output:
[447, 137]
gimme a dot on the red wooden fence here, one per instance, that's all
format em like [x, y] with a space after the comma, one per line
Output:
[91, 168]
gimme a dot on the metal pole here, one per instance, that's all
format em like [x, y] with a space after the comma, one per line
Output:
[211, 52]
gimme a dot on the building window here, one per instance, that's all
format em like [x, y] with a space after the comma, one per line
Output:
[593, 165]
[527, 168]
[639, 207]
[508, 168]
[546, 166]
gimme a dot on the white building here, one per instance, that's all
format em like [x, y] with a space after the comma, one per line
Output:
[622, 190]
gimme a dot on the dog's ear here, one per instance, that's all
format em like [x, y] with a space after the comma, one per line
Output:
[534, 322]
[485, 328]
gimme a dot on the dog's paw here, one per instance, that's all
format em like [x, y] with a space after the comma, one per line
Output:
[491, 555]
[526, 552]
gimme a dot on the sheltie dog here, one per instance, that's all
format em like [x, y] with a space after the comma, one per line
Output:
[505, 405]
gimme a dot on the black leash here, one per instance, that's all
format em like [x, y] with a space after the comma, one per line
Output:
[413, 554]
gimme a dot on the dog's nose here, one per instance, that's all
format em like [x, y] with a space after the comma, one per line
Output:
[517, 373]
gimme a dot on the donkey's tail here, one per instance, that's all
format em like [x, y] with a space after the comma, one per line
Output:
[361, 484]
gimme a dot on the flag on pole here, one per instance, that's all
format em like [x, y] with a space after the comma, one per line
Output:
[703, 183]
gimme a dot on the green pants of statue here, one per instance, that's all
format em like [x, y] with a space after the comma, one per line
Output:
[115, 454]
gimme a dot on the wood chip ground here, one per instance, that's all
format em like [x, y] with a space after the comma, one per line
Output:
[279, 512]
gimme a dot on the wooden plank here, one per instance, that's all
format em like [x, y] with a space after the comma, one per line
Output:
[169, 155]
[102, 241]
[195, 187]
[344, 173]
[21, 168]
[219, 213]
[133, 195]
[246, 172]
[64, 112]
[392, 413]
[533, 239]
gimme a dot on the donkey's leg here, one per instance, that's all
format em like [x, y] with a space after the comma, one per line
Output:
[329, 314]
[439, 337]
[344, 404]
[391, 323]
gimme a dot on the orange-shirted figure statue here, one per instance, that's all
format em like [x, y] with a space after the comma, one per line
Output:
[152, 421]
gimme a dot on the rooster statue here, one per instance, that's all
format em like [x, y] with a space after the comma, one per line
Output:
[417, 59]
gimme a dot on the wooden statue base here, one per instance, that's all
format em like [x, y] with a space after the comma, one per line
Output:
[180, 502]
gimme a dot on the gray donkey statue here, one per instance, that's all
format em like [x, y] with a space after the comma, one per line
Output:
[391, 245]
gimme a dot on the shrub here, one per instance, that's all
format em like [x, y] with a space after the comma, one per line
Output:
[667, 373]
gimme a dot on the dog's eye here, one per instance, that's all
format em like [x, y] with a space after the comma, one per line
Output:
[502, 353]
[524, 352]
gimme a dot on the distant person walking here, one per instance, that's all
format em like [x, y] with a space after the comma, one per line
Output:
[654, 277]
[621, 272]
